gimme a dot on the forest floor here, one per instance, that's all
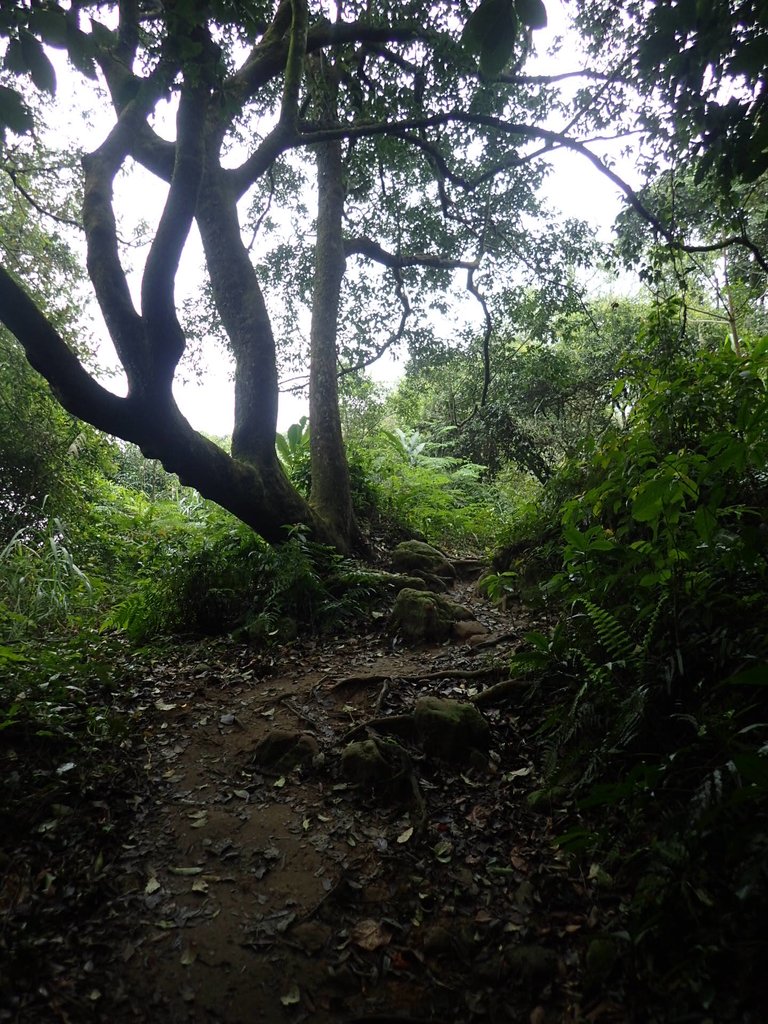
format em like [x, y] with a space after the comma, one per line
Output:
[179, 881]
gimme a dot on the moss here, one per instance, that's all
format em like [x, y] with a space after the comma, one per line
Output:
[450, 728]
[422, 616]
[416, 557]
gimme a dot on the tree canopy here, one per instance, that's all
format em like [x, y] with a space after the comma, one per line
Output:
[423, 141]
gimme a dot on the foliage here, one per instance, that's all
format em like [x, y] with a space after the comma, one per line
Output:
[704, 66]
[405, 480]
[206, 573]
[40, 584]
[658, 660]
[294, 453]
[551, 387]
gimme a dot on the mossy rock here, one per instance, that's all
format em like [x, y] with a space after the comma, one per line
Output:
[422, 616]
[282, 750]
[375, 764]
[450, 728]
[417, 558]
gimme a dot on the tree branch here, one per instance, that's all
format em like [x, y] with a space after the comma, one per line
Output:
[364, 246]
[103, 257]
[396, 335]
[49, 354]
[164, 334]
[555, 140]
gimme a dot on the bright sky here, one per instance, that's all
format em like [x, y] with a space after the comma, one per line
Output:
[574, 186]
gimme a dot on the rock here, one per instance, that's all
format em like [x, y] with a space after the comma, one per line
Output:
[281, 750]
[421, 616]
[450, 728]
[415, 557]
[465, 629]
[379, 764]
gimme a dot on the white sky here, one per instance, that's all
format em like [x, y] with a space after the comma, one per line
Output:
[574, 186]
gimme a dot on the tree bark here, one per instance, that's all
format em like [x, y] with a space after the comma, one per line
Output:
[331, 493]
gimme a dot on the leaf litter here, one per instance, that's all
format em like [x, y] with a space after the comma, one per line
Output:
[223, 887]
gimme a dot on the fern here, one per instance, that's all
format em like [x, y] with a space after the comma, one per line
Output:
[617, 643]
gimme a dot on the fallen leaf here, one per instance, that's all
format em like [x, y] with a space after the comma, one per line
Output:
[370, 935]
[188, 956]
[405, 836]
[152, 886]
[199, 885]
[443, 850]
[279, 783]
[185, 871]
[243, 794]
[162, 706]
[292, 996]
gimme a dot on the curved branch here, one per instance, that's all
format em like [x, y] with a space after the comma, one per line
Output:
[164, 333]
[364, 246]
[49, 354]
[396, 335]
[554, 140]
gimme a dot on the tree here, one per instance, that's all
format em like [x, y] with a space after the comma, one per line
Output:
[426, 167]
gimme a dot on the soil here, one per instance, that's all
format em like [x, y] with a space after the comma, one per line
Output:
[242, 895]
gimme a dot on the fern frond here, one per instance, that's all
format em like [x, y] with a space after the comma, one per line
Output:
[614, 638]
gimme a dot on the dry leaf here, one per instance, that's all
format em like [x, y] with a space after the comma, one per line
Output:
[188, 956]
[405, 836]
[292, 996]
[370, 935]
[152, 886]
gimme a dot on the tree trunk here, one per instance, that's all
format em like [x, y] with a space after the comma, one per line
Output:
[331, 495]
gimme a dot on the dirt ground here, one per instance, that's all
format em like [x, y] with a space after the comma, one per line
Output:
[248, 895]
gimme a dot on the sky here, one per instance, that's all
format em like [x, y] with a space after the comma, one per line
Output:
[574, 187]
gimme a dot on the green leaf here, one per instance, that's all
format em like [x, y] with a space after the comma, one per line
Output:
[80, 49]
[755, 676]
[649, 500]
[532, 13]
[704, 522]
[40, 67]
[498, 51]
[8, 654]
[51, 26]
[14, 58]
[490, 32]
[14, 113]
[103, 37]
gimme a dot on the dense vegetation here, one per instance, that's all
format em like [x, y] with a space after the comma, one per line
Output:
[606, 452]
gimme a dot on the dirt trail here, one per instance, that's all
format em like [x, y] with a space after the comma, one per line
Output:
[290, 897]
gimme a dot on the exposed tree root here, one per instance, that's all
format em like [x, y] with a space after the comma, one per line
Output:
[494, 694]
[421, 677]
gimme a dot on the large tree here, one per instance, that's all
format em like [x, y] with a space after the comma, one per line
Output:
[426, 164]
